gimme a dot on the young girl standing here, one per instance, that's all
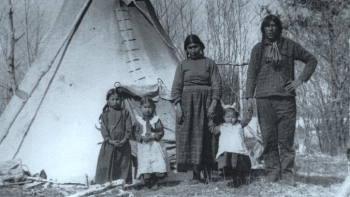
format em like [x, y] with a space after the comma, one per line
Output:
[151, 153]
[114, 160]
[232, 150]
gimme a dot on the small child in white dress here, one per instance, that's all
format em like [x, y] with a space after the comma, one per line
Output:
[152, 159]
[232, 153]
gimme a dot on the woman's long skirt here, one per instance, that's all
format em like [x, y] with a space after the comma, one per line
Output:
[195, 145]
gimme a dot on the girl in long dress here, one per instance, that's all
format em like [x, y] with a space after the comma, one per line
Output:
[114, 160]
[152, 157]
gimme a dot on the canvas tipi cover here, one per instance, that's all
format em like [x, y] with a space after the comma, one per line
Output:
[50, 122]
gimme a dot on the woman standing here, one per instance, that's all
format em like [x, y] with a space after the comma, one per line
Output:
[195, 92]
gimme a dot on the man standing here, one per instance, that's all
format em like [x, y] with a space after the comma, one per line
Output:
[271, 80]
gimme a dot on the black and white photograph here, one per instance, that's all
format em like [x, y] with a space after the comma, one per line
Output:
[158, 98]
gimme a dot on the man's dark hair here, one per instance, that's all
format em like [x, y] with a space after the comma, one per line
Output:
[266, 22]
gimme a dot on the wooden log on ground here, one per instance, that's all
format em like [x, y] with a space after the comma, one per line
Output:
[96, 189]
[39, 179]
[134, 184]
[112, 192]
[70, 186]
[34, 184]
[17, 183]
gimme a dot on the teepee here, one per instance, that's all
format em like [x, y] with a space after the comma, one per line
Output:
[51, 122]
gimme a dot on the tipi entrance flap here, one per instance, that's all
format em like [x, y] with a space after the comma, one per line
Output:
[164, 109]
[62, 138]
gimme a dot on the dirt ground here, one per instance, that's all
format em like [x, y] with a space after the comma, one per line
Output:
[317, 176]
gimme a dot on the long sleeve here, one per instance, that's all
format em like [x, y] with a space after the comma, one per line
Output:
[252, 73]
[213, 128]
[309, 60]
[104, 131]
[158, 131]
[215, 80]
[178, 83]
[128, 124]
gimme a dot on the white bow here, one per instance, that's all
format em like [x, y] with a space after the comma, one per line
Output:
[229, 106]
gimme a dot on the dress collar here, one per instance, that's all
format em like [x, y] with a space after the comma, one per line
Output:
[145, 118]
[152, 120]
[201, 56]
[228, 124]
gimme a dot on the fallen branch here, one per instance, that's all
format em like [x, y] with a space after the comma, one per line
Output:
[40, 180]
[134, 184]
[121, 192]
[17, 183]
[34, 184]
[70, 186]
[95, 189]
[55, 184]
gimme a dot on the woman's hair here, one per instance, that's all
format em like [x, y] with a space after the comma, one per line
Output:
[192, 38]
[233, 110]
[147, 100]
[266, 22]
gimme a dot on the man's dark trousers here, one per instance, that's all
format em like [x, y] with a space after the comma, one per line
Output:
[277, 119]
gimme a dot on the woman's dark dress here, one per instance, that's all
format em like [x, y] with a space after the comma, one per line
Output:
[113, 162]
[196, 83]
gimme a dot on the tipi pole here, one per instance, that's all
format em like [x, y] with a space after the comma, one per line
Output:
[47, 88]
[153, 24]
[16, 105]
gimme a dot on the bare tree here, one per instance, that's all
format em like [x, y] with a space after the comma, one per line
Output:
[228, 43]
[323, 27]
[179, 19]
[9, 49]
[33, 33]
[225, 27]
[19, 19]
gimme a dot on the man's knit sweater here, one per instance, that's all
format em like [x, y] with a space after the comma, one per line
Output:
[265, 80]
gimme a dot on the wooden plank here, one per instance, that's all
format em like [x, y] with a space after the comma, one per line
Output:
[34, 184]
[96, 189]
